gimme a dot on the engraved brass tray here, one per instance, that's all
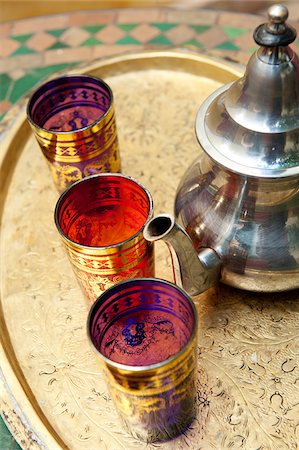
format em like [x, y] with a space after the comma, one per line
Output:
[52, 394]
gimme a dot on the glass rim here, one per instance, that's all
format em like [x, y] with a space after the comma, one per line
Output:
[34, 96]
[134, 368]
[85, 180]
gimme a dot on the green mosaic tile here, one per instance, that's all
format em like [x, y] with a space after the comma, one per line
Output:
[23, 85]
[227, 45]
[93, 28]
[127, 27]
[43, 72]
[22, 37]
[90, 42]
[5, 83]
[194, 42]
[200, 28]
[7, 442]
[233, 32]
[23, 50]
[164, 26]
[160, 40]
[32, 78]
[58, 45]
[128, 40]
[56, 33]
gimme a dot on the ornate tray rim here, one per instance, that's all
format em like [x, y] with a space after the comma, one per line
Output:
[19, 408]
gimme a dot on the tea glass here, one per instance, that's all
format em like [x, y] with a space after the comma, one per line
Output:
[73, 120]
[101, 220]
[144, 332]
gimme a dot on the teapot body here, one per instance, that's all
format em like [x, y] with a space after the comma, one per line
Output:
[252, 223]
[236, 214]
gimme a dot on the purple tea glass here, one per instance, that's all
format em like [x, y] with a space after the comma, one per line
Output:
[73, 120]
[145, 334]
[101, 220]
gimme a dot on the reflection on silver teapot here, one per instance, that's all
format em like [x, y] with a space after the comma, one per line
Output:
[237, 206]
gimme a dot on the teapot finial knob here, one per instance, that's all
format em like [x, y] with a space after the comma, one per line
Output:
[277, 16]
[276, 32]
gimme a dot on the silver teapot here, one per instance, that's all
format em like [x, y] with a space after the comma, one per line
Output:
[236, 214]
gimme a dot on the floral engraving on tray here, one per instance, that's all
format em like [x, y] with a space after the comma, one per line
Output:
[71, 383]
[256, 359]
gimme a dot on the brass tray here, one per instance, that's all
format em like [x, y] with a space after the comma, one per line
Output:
[52, 394]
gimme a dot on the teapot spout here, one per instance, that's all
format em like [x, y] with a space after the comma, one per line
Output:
[195, 273]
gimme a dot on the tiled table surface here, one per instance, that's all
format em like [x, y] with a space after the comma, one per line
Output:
[33, 49]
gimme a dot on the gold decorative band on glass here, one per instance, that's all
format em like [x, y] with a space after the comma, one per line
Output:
[111, 262]
[73, 120]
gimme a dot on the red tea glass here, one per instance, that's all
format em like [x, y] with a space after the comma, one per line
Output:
[145, 334]
[73, 120]
[101, 220]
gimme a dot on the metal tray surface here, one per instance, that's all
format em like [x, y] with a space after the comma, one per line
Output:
[52, 393]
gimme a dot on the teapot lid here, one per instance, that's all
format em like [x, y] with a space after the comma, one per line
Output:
[251, 126]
